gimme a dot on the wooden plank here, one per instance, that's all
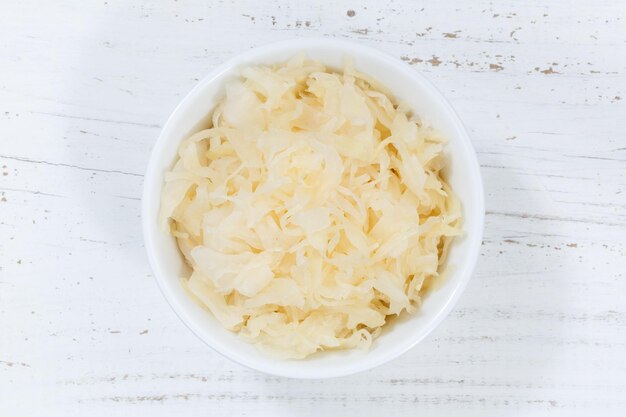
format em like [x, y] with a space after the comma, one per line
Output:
[84, 89]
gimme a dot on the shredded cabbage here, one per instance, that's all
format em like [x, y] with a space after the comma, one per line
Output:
[312, 211]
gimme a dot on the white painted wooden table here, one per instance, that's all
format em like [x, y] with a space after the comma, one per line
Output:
[84, 89]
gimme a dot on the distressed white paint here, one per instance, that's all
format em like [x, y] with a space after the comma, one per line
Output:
[84, 87]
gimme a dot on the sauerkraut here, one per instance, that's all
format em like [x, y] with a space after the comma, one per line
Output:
[312, 210]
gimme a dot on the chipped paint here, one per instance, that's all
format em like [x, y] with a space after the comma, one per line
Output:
[434, 61]
[548, 71]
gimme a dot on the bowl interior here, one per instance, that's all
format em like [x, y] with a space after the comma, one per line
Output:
[462, 174]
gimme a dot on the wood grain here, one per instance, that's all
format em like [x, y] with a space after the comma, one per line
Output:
[84, 89]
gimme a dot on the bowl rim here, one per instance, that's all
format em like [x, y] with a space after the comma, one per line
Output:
[148, 223]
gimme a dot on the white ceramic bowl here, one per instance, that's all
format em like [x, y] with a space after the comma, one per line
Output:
[463, 175]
